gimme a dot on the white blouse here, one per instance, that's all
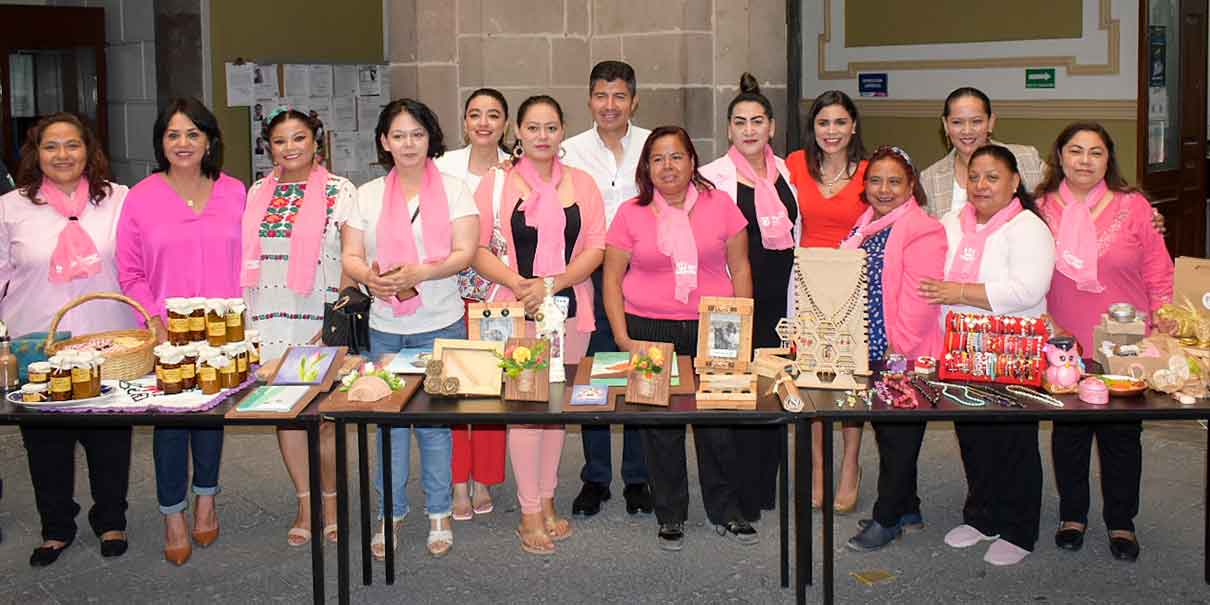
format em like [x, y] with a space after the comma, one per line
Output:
[1018, 262]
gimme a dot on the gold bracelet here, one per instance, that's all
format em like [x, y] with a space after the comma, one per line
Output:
[962, 293]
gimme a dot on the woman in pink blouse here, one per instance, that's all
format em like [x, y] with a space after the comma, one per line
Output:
[179, 236]
[679, 240]
[63, 198]
[541, 197]
[1107, 251]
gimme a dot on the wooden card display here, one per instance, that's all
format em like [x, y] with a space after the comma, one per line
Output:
[828, 321]
[656, 390]
[464, 368]
[726, 391]
[323, 385]
[496, 322]
[338, 400]
[540, 390]
[724, 334]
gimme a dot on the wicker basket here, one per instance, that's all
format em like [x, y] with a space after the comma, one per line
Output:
[127, 365]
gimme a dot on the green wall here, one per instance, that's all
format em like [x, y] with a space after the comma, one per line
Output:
[302, 31]
[923, 140]
[893, 22]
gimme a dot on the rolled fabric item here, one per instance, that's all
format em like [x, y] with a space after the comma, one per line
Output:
[1093, 391]
[787, 393]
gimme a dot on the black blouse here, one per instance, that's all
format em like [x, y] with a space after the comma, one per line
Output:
[770, 268]
[525, 240]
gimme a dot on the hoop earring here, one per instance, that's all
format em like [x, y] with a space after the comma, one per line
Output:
[562, 152]
[518, 151]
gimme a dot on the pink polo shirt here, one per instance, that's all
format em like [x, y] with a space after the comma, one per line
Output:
[649, 285]
[165, 249]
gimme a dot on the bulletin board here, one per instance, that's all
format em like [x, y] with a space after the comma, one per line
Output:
[346, 97]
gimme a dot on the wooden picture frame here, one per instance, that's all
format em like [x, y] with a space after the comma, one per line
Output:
[496, 322]
[322, 386]
[726, 391]
[464, 368]
[724, 334]
[541, 379]
[656, 390]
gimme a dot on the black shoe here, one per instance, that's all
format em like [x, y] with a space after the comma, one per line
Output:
[874, 536]
[113, 548]
[1069, 539]
[588, 503]
[45, 555]
[740, 531]
[672, 536]
[638, 498]
[1124, 549]
[909, 523]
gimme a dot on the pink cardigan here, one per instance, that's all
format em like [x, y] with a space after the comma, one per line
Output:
[915, 250]
[592, 231]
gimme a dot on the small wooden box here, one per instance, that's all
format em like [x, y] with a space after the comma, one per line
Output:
[635, 391]
[726, 391]
[541, 387]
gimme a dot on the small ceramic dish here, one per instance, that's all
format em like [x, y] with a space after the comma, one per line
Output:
[1121, 385]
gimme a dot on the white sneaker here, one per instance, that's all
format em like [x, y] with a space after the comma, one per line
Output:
[1003, 552]
[965, 535]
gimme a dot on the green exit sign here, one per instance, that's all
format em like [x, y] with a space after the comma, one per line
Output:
[1040, 77]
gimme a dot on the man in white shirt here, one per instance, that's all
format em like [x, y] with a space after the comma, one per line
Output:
[609, 151]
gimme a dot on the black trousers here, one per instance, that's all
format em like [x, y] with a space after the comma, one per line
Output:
[758, 457]
[664, 446]
[898, 452]
[1003, 479]
[52, 464]
[1120, 449]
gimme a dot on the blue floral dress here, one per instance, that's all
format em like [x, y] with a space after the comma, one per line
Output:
[875, 247]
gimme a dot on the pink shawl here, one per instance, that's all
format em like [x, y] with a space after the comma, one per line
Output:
[970, 250]
[396, 243]
[75, 255]
[776, 229]
[544, 212]
[675, 239]
[1076, 241]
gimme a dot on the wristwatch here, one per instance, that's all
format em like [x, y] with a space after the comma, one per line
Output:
[549, 282]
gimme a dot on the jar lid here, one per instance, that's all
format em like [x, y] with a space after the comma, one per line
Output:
[40, 367]
[82, 364]
[218, 305]
[175, 301]
[34, 388]
[234, 348]
[172, 357]
[163, 349]
[236, 305]
[198, 301]
[219, 361]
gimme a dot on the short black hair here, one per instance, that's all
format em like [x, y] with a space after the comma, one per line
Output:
[608, 71]
[419, 112]
[203, 118]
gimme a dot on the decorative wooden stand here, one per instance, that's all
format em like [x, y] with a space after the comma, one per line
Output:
[832, 349]
[662, 381]
[540, 390]
[726, 391]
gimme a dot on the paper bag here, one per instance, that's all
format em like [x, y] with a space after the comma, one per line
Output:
[1192, 283]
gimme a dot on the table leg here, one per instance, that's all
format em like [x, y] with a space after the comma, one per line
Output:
[342, 514]
[783, 504]
[827, 512]
[802, 510]
[388, 503]
[363, 471]
[317, 504]
[1206, 504]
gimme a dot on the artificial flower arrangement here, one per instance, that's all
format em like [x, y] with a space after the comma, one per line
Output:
[649, 363]
[370, 383]
[518, 358]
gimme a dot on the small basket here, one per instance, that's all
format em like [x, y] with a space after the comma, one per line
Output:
[127, 365]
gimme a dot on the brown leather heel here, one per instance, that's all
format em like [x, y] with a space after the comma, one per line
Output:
[178, 555]
[205, 538]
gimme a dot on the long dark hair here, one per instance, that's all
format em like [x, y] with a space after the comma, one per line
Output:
[814, 153]
[96, 165]
[642, 174]
[203, 118]
[899, 156]
[499, 98]
[1007, 158]
[1054, 164]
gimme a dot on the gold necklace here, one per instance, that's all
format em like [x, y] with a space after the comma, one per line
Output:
[831, 185]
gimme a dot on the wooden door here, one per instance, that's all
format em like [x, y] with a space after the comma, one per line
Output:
[1172, 118]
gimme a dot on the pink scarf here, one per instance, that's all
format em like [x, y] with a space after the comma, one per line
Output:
[776, 230]
[306, 238]
[396, 243]
[970, 250]
[544, 212]
[75, 255]
[1076, 244]
[867, 225]
[674, 238]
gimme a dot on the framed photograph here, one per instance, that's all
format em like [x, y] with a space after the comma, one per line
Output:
[496, 322]
[724, 334]
[464, 367]
[305, 365]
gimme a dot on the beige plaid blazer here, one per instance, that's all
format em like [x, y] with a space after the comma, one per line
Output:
[938, 179]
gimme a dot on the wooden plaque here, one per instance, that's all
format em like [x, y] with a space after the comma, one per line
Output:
[541, 388]
[464, 367]
[724, 334]
[323, 385]
[658, 393]
[496, 322]
[726, 391]
[338, 400]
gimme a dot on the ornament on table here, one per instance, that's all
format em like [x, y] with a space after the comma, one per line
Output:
[1065, 365]
[551, 319]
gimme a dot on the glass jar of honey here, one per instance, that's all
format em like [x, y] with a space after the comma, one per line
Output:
[238, 353]
[178, 320]
[38, 372]
[189, 367]
[34, 392]
[237, 318]
[197, 319]
[81, 379]
[252, 339]
[171, 365]
[207, 376]
[60, 379]
[228, 378]
[97, 362]
[160, 351]
[216, 322]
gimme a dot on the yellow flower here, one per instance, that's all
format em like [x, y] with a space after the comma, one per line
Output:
[634, 359]
[521, 354]
[655, 355]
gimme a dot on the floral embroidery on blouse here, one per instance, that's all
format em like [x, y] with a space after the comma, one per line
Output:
[283, 208]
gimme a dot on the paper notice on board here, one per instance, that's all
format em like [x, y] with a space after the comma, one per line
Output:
[264, 81]
[298, 80]
[368, 82]
[367, 149]
[321, 80]
[321, 107]
[239, 85]
[344, 113]
[344, 152]
[368, 109]
[344, 79]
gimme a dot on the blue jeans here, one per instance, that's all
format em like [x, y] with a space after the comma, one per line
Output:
[435, 442]
[170, 449]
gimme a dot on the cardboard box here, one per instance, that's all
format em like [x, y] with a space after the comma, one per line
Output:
[1139, 366]
[1192, 283]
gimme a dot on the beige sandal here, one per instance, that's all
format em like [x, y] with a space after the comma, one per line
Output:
[378, 545]
[298, 536]
[330, 530]
[558, 528]
[438, 537]
[535, 541]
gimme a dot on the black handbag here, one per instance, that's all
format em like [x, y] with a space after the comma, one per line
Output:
[347, 321]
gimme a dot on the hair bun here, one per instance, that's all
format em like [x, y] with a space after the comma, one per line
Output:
[748, 84]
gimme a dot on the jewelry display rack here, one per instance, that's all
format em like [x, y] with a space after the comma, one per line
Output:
[828, 325]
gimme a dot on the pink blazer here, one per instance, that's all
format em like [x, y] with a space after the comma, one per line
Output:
[592, 231]
[915, 250]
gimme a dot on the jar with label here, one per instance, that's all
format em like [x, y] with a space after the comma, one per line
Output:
[238, 353]
[38, 372]
[216, 322]
[81, 379]
[207, 376]
[160, 351]
[228, 378]
[178, 320]
[34, 392]
[97, 362]
[237, 318]
[189, 367]
[60, 379]
[171, 364]
[252, 339]
[197, 319]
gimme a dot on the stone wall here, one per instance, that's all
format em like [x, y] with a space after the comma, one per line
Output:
[688, 55]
